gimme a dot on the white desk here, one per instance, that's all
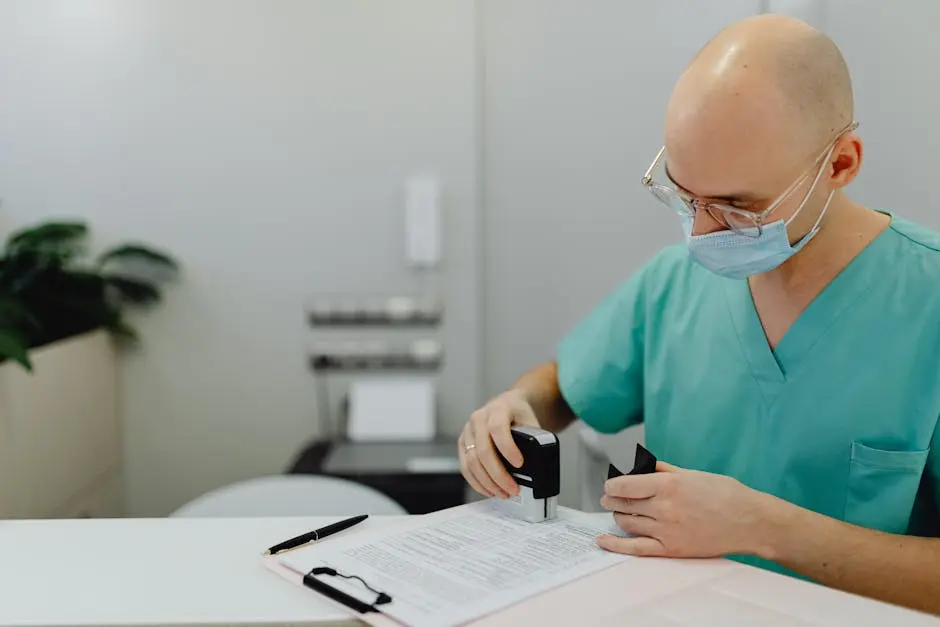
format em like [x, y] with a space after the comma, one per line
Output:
[153, 572]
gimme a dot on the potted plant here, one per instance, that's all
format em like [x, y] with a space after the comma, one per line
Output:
[50, 290]
[62, 313]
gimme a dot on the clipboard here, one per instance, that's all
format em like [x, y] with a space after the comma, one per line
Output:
[630, 592]
[320, 580]
[366, 602]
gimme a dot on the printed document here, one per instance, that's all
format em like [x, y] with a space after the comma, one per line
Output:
[460, 564]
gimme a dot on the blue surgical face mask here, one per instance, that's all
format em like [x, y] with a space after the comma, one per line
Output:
[737, 255]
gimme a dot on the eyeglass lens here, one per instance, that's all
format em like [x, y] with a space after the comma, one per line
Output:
[688, 208]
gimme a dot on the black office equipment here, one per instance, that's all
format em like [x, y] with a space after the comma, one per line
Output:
[391, 468]
[643, 464]
[539, 477]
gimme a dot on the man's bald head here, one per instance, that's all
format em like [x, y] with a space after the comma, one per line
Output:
[768, 90]
[800, 70]
[813, 78]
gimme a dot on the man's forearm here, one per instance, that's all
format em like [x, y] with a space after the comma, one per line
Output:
[903, 570]
[540, 388]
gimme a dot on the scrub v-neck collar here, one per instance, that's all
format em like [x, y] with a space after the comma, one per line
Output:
[772, 367]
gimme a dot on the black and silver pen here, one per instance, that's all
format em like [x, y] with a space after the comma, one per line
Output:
[317, 534]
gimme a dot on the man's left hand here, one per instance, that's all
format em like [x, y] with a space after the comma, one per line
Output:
[684, 513]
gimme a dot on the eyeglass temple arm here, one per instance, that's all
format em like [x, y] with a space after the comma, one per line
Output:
[648, 177]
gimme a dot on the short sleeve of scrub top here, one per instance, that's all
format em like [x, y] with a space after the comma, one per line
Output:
[600, 361]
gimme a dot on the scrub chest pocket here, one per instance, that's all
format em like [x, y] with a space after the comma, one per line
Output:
[882, 486]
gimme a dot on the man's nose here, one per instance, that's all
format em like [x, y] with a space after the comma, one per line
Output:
[704, 223]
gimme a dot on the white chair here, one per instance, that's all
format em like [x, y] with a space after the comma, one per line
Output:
[290, 495]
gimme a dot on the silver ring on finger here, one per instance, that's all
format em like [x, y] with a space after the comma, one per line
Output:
[469, 447]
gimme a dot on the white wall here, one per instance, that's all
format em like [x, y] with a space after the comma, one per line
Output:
[264, 143]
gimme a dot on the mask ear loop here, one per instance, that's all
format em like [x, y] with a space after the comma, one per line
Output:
[815, 228]
[810, 193]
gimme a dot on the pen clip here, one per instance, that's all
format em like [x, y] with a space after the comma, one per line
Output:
[311, 581]
[316, 536]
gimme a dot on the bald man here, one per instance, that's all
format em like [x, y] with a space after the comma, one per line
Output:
[785, 359]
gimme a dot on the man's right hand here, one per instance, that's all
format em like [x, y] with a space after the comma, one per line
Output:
[485, 432]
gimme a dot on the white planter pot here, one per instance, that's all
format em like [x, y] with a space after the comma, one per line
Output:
[60, 436]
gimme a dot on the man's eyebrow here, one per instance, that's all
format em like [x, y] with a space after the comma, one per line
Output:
[730, 198]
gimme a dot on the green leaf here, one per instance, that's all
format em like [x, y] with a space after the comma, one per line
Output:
[136, 252]
[13, 346]
[123, 330]
[133, 290]
[49, 234]
[23, 266]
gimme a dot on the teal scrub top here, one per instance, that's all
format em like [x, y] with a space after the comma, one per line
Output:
[841, 419]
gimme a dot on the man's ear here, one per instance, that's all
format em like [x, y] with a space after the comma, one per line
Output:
[846, 161]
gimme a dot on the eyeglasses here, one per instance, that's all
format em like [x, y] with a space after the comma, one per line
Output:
[739, 220]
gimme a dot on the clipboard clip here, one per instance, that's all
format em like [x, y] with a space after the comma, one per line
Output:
[311, 581]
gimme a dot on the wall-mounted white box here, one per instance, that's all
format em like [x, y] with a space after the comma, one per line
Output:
[423, 228]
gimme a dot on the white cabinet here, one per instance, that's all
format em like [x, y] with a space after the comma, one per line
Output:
[60, 436]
